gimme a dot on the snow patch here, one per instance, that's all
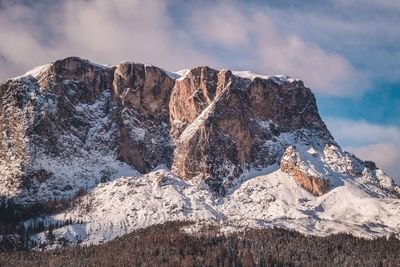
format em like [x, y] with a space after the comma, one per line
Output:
[279, 79]
[182, 74]
[249, 75]
[35, 72]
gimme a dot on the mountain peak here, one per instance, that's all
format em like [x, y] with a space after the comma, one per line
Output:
[205, 124]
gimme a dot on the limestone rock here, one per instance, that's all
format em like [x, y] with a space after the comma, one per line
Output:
[294, 165]
[231, 131]
[143, 94]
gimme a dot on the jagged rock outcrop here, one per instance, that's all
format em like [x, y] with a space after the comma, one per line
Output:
[143, 93]
[237, 121]
[72, 124]
[293, 164]
[192, 94]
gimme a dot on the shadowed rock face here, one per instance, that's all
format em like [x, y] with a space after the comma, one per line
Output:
[74, 124]
[143, 94]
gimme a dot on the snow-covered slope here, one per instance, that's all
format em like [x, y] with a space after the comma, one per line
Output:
[360, 200]
[265, 199]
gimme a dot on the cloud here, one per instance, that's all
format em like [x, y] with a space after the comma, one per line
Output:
[103, 31]
[379, 143]
[223, 34]
[384, 4]
[254, 34]
[129, 30]
[387, 157]
[19, 38]
[224, 25]
[362, 133]
[357, 29]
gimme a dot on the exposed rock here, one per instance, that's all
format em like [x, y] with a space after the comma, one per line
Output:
[78, 120]
[145, 88]
[289, 105]
[143, 92]
[192, 95]
[292, 164]
[231, 134]
[88, 80]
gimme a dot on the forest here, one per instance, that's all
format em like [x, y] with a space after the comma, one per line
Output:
[18, 222]
[168, 245]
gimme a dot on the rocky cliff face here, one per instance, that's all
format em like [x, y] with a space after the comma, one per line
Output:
[225, 125]
[72, 124]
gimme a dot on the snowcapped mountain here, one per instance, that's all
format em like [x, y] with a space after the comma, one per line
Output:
[214, 146]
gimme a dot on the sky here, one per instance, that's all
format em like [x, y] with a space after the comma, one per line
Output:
[346, 51]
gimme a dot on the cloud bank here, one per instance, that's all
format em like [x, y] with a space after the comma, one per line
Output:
[361, 133]
[273, 51]
[102, 31]
[222, 34]
[362, 31]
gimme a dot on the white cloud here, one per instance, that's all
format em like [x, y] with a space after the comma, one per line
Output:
[379, 143]
[129, 30]
[144, 31]
[103, 31]
[358, 29]
[271, 51]
[361, 133]
[224, 25]
[386, 156]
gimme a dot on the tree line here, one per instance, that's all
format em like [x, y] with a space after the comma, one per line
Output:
[18, 222]
[168, 245]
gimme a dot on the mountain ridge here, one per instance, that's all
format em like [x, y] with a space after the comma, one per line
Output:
[68, 90]
[160, 118]
[196, 137]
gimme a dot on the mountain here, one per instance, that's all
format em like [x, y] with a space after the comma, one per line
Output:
[137, 145]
